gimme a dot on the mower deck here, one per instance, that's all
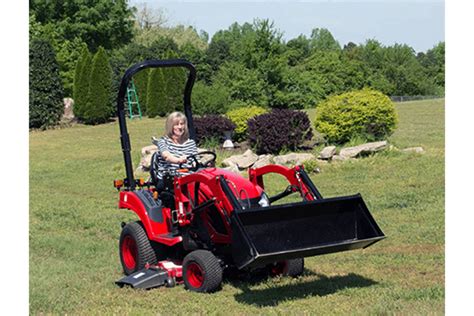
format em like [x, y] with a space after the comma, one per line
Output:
[164, 273]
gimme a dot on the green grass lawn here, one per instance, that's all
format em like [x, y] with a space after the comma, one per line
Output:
[75, 225]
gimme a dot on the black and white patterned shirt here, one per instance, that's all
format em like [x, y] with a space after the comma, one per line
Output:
[178, 150]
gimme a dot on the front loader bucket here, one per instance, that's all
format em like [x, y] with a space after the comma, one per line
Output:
[270, 234]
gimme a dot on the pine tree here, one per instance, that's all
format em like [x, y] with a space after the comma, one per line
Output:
[98, 105]
[175, 79]
[156, 94]
[81, 82]
[141, 84]
[46, 90]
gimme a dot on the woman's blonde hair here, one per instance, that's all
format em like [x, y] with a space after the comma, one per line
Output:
[171, 121]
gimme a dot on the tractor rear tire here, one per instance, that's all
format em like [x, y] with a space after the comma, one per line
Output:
[135, 248]
[292, 268]
[202, 271]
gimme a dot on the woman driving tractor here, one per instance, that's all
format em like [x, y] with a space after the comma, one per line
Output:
[174, 147]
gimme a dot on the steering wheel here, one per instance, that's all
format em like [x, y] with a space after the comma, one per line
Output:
[197, 164]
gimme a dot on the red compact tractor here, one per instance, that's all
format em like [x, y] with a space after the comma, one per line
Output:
[214, 221]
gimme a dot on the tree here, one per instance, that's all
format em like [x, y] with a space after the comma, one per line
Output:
[434, 63]
[140, 80]
[46, 92]
[147, 18]
[156, 95]
[98, 107]
[242, 83]
[67, 51]
[81, 82]
[297, 49]
[322, 39]
[96, 22]
[175, 80]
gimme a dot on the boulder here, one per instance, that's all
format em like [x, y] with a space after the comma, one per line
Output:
[145, 162]
[417, 150]
[339, 158]
[352, 152]
[148, 150]
[68, 114]
[262, 161]
[327, 152]
[233, 169]
[293, 158]
[244, 161]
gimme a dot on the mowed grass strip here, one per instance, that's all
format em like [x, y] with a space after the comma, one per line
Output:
[75, 225]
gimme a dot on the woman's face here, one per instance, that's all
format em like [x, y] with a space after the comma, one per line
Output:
[178, 128]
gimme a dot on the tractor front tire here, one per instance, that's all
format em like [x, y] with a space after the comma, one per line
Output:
[292, 268]
[202, 271]
[135, 248]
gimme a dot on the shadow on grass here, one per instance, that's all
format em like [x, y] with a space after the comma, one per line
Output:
[324, 285]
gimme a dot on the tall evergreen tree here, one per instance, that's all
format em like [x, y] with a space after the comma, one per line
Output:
[141, 84]
[46, 91]
[175, 79]
[81, 82]
[98, 105]
[156, 99]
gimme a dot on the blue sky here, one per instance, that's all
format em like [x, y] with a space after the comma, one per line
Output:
[418, 23]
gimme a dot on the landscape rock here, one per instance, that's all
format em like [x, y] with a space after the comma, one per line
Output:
[244, 161]
[233, 168]
[262, 161]
[293, 158]
[148, 150]
[307, 145]
[417, 150]
[339, 158]
[68, 114]
[140, 171]
[327, 152]
[352, 152]
[244, 145]
[145, 162]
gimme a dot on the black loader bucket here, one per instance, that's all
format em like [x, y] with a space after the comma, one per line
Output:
[296, 230]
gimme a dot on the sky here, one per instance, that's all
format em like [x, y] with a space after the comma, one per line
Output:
[418, 23]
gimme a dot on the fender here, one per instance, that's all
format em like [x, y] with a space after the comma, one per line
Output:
[156, 231]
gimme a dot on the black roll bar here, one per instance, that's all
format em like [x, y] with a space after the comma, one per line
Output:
[124, 137]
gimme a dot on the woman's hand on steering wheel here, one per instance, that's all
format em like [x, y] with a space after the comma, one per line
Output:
[197, 164]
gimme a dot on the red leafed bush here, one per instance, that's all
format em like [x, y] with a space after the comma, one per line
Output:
[279, 129]
[212, 127]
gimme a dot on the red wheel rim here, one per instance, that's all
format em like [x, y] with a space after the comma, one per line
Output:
[194, 275]
[279, 268]
[129, 252]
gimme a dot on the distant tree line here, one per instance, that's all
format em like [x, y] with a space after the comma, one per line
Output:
[246, 64]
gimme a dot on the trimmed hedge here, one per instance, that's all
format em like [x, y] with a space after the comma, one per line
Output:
[240, 118]
[366, 114]
[279, 129]
[212, 127]
[46, 90]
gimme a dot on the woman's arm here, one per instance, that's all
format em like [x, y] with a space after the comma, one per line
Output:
[171, 158]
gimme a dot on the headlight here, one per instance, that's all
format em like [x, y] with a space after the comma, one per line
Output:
[264, 201]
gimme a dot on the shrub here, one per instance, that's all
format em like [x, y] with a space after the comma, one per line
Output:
[279, 129]
[46, 91]
[212, 127]
[366, 113]
[240, 118]
[311, 166]
[99, 107]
